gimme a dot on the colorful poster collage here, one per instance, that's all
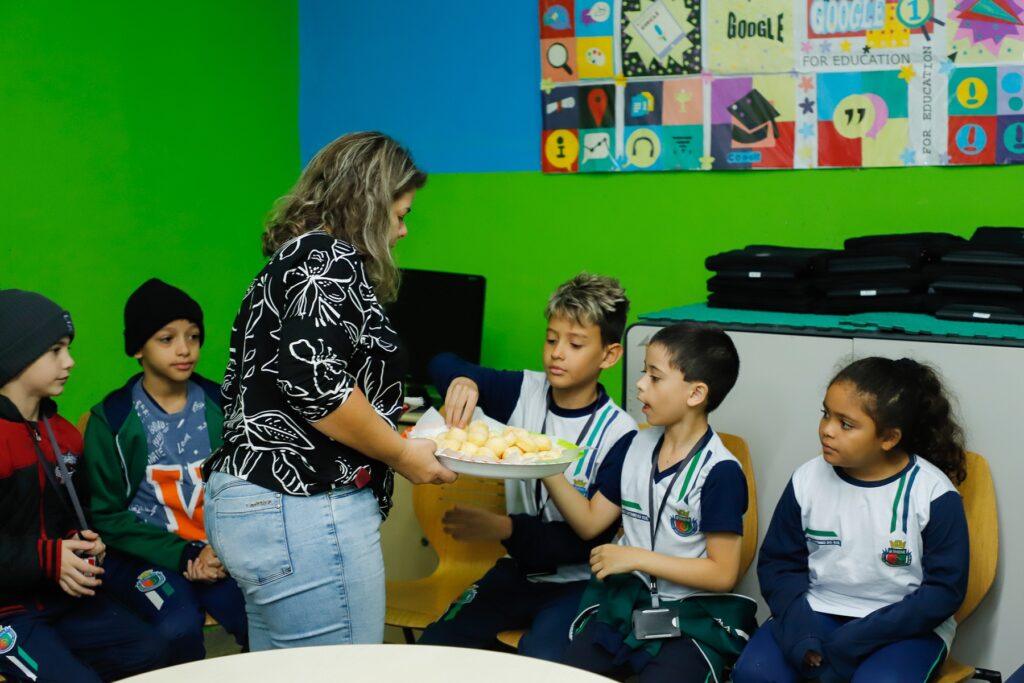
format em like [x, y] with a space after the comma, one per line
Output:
[663, 85]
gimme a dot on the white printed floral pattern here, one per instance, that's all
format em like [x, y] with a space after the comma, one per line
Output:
[309, 331]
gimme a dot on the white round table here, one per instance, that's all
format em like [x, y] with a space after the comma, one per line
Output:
[412, 663]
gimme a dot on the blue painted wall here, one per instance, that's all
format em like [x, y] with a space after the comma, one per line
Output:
[457, 82]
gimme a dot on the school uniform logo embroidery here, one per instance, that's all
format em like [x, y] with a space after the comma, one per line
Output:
[467, 597]
[683, 524]
[817, 537]
[631, 509]
[897, 554]
[580, 484]
[7, 639]
[150, 580]
[153, 584]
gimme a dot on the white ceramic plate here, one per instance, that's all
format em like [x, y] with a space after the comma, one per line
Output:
[498, 470]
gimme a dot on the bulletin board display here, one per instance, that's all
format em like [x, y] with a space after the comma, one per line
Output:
[697, 85]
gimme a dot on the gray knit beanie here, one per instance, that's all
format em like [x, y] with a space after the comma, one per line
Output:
[29, 324]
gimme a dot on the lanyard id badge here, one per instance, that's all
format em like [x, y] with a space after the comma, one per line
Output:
[662, 621]
[539, 497]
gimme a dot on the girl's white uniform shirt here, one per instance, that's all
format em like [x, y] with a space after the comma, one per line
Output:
[864, 539]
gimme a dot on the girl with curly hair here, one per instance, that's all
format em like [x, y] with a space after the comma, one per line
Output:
[866, 558]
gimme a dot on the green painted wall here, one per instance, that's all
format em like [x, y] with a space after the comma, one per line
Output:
[139, 140]
[527, 232]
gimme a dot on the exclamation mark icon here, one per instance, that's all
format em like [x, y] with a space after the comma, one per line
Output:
[972, 140]
[1014, 139]
[972, 94]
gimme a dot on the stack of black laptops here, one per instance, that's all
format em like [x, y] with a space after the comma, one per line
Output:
[980, 280]
[762, 277]
[880, 272]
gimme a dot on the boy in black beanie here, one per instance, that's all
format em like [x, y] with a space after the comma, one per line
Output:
[144, 444]
[56, 622]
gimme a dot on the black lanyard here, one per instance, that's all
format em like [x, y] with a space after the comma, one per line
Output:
[59, 457]
[540, 499]
[655, 520]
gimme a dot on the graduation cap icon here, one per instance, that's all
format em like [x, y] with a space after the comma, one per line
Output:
[753, 121]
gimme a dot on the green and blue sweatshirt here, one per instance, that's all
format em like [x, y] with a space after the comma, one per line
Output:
[118, 464]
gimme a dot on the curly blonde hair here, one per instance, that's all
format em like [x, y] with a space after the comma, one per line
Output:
[348, 190]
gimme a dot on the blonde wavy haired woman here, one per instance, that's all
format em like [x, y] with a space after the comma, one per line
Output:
[312, 394]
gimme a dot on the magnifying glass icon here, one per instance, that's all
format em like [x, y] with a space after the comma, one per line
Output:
[558, 57]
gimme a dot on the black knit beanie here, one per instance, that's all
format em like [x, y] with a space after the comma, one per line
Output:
[154, 304]
[29, 324]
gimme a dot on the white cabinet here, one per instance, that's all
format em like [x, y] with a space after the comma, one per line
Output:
[775, 406]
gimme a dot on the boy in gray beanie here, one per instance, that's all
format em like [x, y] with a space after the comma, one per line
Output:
[59, 623]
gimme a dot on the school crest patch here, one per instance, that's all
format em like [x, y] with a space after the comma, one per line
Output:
[150, 580]
[467, 597]
[683, 524]
[581, 485]
[897, 554]
[7, 639]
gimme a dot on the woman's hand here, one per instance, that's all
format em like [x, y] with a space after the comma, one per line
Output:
[812, 658]
[476, 524]
[460, 401]
[611, 558]
[418, 464]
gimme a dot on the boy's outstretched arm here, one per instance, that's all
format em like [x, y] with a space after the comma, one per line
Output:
[464, 385]
[588, 518]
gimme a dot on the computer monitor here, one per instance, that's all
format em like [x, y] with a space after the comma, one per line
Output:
[436, 312]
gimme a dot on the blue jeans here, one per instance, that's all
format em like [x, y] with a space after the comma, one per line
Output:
[310, 567]
[177, 607]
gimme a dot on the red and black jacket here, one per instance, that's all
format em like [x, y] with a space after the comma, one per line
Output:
[34, 516]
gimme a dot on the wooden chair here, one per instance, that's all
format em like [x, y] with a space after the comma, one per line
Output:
[979, 496]
[738, 447]
[83, 421]
[418, 603]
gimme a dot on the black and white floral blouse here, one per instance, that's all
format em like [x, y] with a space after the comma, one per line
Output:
[309, 331]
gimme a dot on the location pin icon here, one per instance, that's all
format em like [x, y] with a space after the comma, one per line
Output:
[597, 103]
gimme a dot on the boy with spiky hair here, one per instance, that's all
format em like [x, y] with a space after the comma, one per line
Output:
[539, 585]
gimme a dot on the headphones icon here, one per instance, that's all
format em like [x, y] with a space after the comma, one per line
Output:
[649, 142]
